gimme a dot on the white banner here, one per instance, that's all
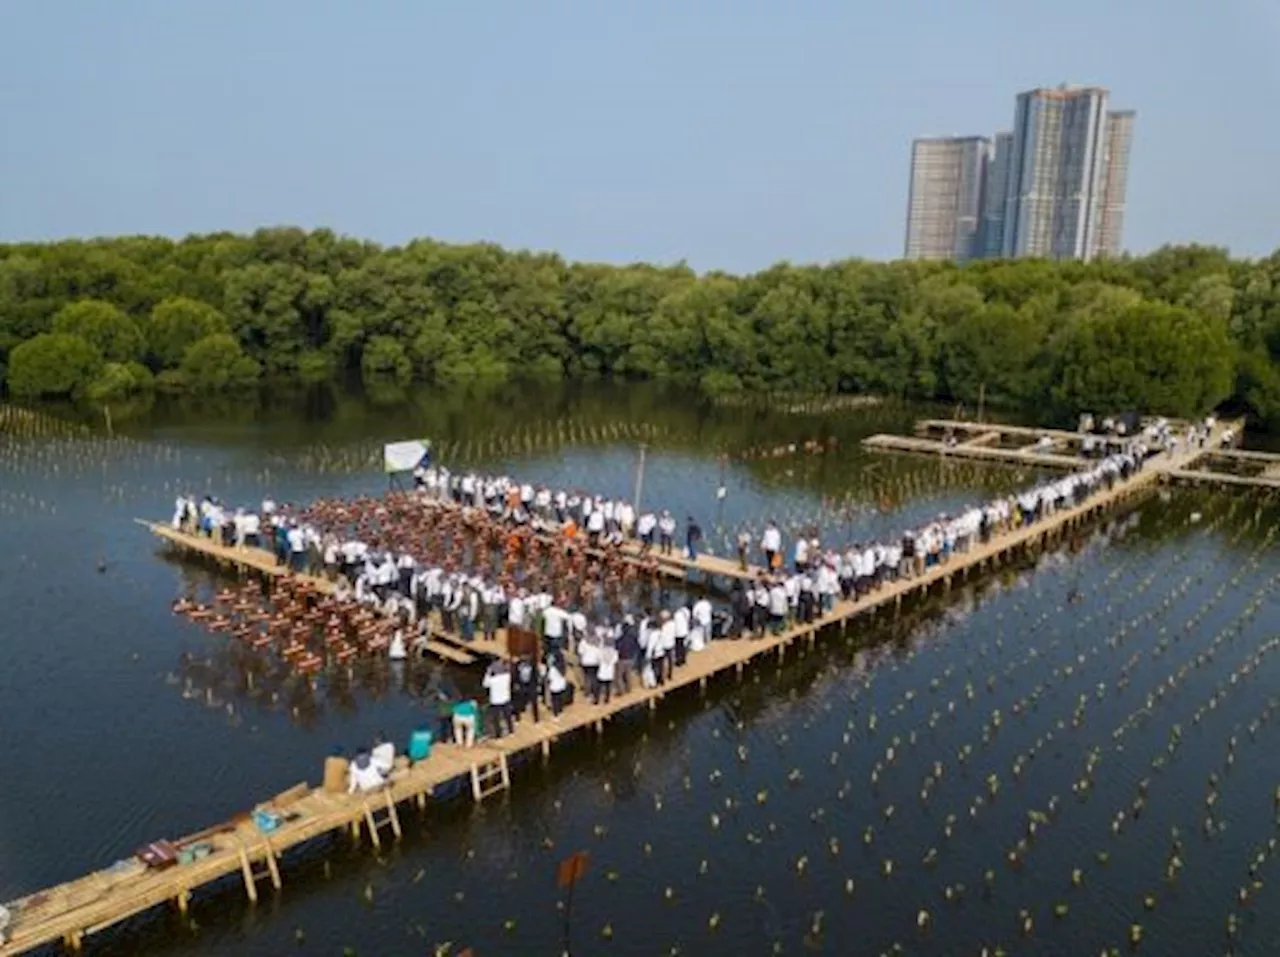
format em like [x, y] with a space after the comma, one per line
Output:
[405, 456]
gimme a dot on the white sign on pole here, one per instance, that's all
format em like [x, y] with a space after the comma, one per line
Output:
[405, 456]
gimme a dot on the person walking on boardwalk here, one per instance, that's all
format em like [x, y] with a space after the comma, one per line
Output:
[497, 681]
[606, 670]
[646, 525]
[526, 691]
[692, 538]
[771, 545]
[667, 532]
[744, 546]
[627, 643]
[556, 683]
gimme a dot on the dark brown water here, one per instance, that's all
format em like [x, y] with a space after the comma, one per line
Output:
[1102, 687]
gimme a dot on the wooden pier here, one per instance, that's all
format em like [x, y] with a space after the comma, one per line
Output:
[976, 449]
[249, 558]
[69, 912]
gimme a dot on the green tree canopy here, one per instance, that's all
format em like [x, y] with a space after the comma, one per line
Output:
[176, 323]
[53, 364]
[1177, 331]
[114, 333]
[217, 363]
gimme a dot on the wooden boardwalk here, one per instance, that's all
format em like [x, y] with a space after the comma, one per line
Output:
[1202, 477]
[978, 448]
[442, 645]
[70, 911]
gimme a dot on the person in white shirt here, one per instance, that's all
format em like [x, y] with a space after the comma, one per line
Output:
[556, 683]
[667, 532]
[680, 621]
[771, 544]
[700, 633]
[589, 661]
[497, 681]
[383, 755]
[778, 606]
[554, 619]
[595, 528]
[802, 555]
[645, 526]
[654, 652]
[667, 639]
[608, 663]
[363, 775]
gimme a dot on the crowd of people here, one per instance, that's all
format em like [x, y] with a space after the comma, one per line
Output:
[608, 641]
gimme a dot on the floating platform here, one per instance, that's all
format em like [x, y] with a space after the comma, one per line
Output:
[974, 450]
[71, 911]
[444, 646]
[1202, 477]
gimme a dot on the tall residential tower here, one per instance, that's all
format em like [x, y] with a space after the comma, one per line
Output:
[1052, 188]
[1059, 170]
[1115, 181]
[944, 204]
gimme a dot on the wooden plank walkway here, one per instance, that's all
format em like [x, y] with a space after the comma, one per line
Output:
[1203, 477]
[1023, 456]
[89, 904]
[445, 646]
[1015, 431]
[675, 564]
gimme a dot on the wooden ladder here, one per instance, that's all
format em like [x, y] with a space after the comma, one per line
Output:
[251, 876]
[390, 816]
[490, 777]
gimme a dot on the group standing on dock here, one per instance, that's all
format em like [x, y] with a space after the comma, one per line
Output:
[475, 556]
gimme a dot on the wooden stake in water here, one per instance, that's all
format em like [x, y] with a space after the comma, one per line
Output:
[106, 414]
[639, 479]
[571, 870]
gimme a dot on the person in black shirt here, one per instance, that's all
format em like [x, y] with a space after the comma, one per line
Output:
[692, 538]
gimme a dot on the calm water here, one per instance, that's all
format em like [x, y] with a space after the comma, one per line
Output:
[1102, 688]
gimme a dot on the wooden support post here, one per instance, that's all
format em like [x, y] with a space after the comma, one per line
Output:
[272, 867]
[394, 816]
[702, 684]
[74, 939]
[422, 800]
[246, 871]
[355, 828]
[546, 749]
[739, 670]
[373, 825]
[184, 901]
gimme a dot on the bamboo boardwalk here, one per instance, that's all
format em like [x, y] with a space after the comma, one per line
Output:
[71, 911]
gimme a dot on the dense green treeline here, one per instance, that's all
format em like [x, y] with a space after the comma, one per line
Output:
[1180, 331]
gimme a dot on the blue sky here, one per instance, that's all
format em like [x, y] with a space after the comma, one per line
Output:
[727, 134]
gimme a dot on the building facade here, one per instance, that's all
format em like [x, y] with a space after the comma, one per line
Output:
[1053, 187]
[945, 197]
[1054, 196]
[991, 229]
[1115, 183]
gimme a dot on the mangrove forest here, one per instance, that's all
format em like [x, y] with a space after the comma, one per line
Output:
[1181, 331]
